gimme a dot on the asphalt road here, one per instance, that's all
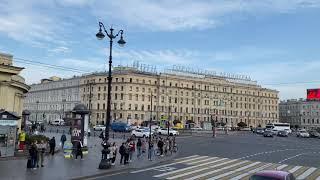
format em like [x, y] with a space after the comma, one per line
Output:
[239, 156]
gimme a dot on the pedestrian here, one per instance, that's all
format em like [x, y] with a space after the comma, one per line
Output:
[63, 139]
[127, 153]
[167, 143]
[150, 152]
[139, 144]
[22, 139]
[113, 153]
[170, 145]
[33, 155]
[70, 130]
[52, 145]
[101, 135]
[132, 149]
[122, 151]
[160, 146]
[143, 145]
[79, 150]
[41, 146]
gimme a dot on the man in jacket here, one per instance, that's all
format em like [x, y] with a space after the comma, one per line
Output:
[122, 150]
[63, 139]
[52, 144]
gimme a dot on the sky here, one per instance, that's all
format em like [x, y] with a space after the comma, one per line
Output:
[275, 42]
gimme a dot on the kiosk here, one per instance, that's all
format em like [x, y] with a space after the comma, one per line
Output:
[8, 133]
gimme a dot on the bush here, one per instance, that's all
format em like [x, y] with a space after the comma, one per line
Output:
[33, 138]
[242, 124]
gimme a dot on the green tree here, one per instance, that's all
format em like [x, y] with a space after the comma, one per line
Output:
[242, 124]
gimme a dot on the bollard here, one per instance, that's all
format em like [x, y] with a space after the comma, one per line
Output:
[113, 135]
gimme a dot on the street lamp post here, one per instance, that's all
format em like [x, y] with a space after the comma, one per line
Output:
[37, 111]
[121, 42]
[149, 152]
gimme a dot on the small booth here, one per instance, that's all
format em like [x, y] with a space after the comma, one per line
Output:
[8, 133]
[79, 130]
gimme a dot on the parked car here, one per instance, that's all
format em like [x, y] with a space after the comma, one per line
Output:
[164, 131]
[314, 134]
[99, 128]
[271, 175]
[259, 130]
[120, 127]
[141, 133]
[283, 133]
[196, 128]
[303, 133]
[246, 129]
[58, 122]
[268, 133]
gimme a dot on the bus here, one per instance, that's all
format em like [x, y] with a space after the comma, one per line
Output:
[279, 127]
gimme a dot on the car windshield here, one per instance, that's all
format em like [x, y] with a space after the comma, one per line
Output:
[259, 177]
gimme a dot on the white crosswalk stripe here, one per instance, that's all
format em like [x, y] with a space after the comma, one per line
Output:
[192, 167]
[213, 168]
[307, 173]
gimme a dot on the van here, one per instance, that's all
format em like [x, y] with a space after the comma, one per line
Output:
[58, 122]
[120, 127]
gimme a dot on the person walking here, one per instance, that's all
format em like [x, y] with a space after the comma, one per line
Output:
[132, 146]
[33, 154]
[79, 150]
[52, 145]
[22, 139]
[63, 139]
[127, 153]
[139, 144]
[41, 146]
[143, 145]
[160, 146]
[122, 151]
[113, 153]
[150, 152]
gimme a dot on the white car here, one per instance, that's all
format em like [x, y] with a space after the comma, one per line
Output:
[99, 128]
[303, 133]
[141, 133]
[164, 131]
[58, 122]
[196, 128]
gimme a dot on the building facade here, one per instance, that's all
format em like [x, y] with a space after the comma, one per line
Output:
[178, 95]
[300, 113]
[52, 99]
[12, 86]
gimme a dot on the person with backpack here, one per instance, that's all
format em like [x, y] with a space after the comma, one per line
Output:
[63, 139]
[139, 145]
[160, 146]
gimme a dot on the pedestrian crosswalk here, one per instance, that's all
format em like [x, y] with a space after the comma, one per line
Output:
[204, 167]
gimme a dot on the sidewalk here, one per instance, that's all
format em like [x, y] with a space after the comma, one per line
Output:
[57, 167]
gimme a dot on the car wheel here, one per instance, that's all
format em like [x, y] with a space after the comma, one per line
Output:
[171, 134]
[144, 136]
[159, 133]
[134, 135]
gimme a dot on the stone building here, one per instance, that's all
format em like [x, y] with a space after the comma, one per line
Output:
[52, 99]
[12, 87]
[180, 95]
[300, 113]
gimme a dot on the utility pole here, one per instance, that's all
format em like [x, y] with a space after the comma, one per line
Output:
[90, 98]
[149, 153]
[37, 111]
[168, 120]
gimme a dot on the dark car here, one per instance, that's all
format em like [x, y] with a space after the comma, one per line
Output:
[314, 134]
[268, 133]
[283, 133]
[272, 175]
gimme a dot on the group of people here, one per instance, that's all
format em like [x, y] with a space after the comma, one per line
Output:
[157, 147]
[37, 151]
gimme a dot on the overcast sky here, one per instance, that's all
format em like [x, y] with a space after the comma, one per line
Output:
[275, 42]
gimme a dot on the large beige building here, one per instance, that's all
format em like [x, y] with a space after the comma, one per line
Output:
[12, 86]
[180, 95]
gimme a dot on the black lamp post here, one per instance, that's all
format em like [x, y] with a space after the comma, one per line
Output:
[37, 111]
[100, 35]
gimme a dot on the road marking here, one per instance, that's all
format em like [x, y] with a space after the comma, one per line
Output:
[210, 172]
[234, 171]
[294, 169]
[187, 168]
[207, 168]
[281, 167]
[183, 158]
[165, 165]
[204, 160]
[307, 173]
[252, 171]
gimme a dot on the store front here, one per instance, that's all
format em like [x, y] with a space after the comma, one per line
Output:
[8, 133]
